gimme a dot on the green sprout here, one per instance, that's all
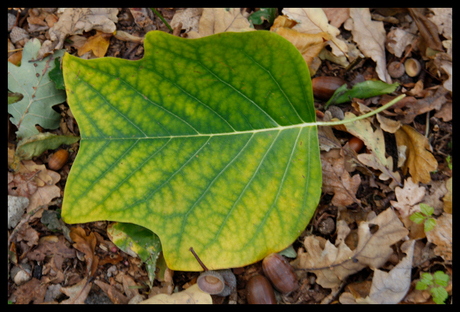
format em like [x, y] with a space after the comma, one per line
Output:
[449, 161]
[424, 216]
[436, 283]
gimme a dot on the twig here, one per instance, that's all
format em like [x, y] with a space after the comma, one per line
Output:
[161, 17]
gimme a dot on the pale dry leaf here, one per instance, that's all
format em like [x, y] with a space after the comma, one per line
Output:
[115, 296]
[313, 21]
[387, 124]
[408, 198]
[218, 20]
[333, 264]
[442, 18]
[445, 112]
[337, 181]
[419, 160]
[336, 16]
[437, 189]
[76, 21]
[391, 287]
[447, 199]
[398, 39]
[77, 293]
[189, 17]
[192, 295]
[370, 37]
[375, 142]
[441, 236]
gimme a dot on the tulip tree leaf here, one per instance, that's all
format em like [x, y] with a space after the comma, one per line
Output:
[208, 142]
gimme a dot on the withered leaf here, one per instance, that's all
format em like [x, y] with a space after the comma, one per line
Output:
[427, 28]
[441, 236]
[77, 293]
[419, 160]
[87, 245]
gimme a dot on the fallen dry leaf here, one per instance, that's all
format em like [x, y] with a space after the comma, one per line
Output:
[76, 21]
[428, 30]
[398, 39]
[445, 112]
[435, 191]
[447, 199]
[388, 287]
[370, 37]
[375, 142]
[313, 21]
[192, 295]
[99, 43]
[408, 198]
[189, 17]
[87, 245]
[419, 160]
[333, 264]
[32, 291]
[218, 20]
[337, 181]
[115, 296]
[77, 293]
[441, 236]
[442, 18]
[336, 16]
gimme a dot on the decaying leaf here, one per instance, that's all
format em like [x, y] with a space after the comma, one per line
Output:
[313, 21]
[375, 142]
[441, 236]
[398, 39]
[218, 20]
[99, 43]
[427, 28]
[391, 287]
[370, 37]
[408, 198]
[192, 295]
[447, 199]
[419, 160]
[333, 264]
[87, 245]
[115, 296]
[76, 21]
[442, 18]
[189, 17]
[337, 181]
[77, 293]
[336, 16]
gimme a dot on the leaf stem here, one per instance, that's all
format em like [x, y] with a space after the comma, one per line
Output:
[161, 17]
[376, 111]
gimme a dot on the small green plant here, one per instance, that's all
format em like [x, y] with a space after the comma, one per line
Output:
[437, 283]
[424, 216]
[449, 161]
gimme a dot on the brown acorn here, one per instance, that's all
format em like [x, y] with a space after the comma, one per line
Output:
[325, 86]
[260, 291]
[280, 273]
[58, 160]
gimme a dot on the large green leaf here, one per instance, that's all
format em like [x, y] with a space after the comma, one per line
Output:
[206, 142]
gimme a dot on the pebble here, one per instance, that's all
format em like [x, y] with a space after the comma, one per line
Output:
[16, 208]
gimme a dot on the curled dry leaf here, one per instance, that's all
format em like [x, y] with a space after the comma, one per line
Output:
[189, 17]
[192, 295]
[76, 21]
[313, 21]
[441, 236]
[87, 245]
[408, 198]
[336, 16]
[99, 43]
[218, 20]
[337, 180]
[442, 18]
[419, 160]
[77, 293]
[370, 37]
[398, 39]
[333, 264]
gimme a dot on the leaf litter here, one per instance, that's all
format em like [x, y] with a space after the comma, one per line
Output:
[410, 33]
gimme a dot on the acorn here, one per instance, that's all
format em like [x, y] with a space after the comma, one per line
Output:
[260, 291]
[219, 282]
[413, 67]
[395, 69]
[58, 160]
[325, 86]
[355, 144]
[280, 273]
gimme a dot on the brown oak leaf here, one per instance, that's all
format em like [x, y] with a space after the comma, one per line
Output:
[87, 245]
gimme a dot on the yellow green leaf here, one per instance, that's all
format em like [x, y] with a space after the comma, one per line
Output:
[210, 143]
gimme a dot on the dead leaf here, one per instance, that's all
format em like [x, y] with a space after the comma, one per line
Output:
[114, 295]
[408, 198]
[436, 190]
[333, 264]
[419, 160]
[87, 245]
[441, 236]
[189, 17]
[387, 124]
[370, 37]
[218, 20]
[309, 45]
[337, 181]
[313, 21]
[445, 112]
[442, 18]
[398, 39]
[447, 199]
[192, 295]
[32, 291]
[427, 29]
[76, 21]
[99, 43]
[375, 142]
[390, 287]
[77, 293]
[336, 16]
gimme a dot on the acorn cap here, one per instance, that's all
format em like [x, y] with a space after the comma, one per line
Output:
[211, 282]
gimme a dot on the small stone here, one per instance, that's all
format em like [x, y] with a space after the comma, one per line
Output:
[21, 275]
[326, 226]
[16, 208]
[11, 21]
